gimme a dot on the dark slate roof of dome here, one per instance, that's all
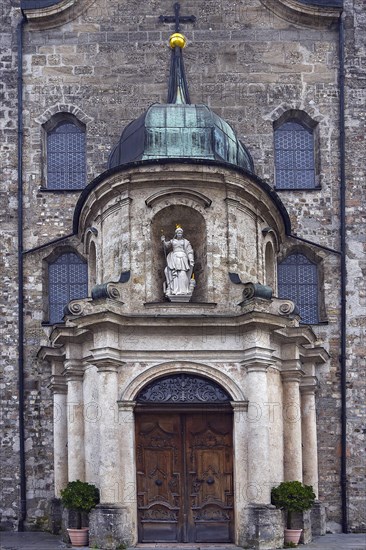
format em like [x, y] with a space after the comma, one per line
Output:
[173, 131]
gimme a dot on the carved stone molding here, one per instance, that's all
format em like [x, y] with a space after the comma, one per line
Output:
[182, 192]
[107, 290]
[312, 15]
[256, 290]
[48, 14]
[75, 307]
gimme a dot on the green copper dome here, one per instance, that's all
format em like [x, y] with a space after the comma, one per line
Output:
[180, 131]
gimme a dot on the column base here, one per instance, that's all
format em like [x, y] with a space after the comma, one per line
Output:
[263, 528]
[110, 527]
[318, 519]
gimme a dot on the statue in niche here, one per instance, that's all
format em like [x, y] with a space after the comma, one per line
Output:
[179, 279]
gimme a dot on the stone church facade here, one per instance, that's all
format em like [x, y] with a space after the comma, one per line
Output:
[185, 407]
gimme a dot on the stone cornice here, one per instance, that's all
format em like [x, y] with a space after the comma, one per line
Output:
[300, 335]
[69, 333]
[109, 311]
[316, 355]
[50, 354]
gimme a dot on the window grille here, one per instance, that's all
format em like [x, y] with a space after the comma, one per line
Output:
[294, 156]
[66, 156]
[298, 281]
[68, 280]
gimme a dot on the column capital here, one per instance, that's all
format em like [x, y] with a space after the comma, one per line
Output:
[126, 405]
[258, 359]
[106, 366]
[239, 406]
[309, 384]
[73, 370]
[105, 357]
[57, 384]
[292, 375]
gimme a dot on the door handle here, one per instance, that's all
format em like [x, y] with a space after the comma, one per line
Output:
[210, 480]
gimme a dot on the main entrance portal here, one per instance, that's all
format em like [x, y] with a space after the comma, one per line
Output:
[185, 477]
[184, 461]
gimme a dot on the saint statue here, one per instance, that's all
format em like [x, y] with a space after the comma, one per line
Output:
[179, 282]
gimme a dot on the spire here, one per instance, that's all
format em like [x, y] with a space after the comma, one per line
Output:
[178, 87]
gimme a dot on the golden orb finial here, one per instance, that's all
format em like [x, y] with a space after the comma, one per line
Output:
[177, 39]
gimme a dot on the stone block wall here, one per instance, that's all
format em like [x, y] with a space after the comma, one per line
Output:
[107, 64]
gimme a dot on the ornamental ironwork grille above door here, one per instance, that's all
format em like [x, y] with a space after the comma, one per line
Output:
[184, 389]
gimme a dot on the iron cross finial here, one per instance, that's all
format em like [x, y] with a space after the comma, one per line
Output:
[177, 18]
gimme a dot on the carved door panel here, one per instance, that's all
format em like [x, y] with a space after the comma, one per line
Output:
[159, 477]
[184, 477]
[210, 477]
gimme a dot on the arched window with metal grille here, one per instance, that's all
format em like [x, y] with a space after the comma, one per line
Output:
[65, 153]
[67, 280]
[298, 281]
[294, 156]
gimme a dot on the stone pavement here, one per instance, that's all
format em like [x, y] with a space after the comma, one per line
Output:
[45, 541]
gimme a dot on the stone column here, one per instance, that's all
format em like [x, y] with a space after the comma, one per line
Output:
[258, 488]
[292, 426]
[109, 462]
[309, 440]
[240, 444]
[59, 390]
[128, 455]
[75, 421]
[111, 523]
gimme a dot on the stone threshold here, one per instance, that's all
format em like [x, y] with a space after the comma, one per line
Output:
[184, 546]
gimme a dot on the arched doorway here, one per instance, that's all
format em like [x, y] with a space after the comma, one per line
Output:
[184, 456]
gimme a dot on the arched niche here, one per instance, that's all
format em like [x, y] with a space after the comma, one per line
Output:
[270, 266]
[194, 226]
[92, 264]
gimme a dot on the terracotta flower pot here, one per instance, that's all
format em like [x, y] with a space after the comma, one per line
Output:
[293, 535]
[79, 537]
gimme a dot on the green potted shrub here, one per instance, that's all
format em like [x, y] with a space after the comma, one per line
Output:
[292, 496]
[80, 497]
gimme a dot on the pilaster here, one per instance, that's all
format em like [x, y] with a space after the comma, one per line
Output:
[74, 373]
[292, 425]
[308, 387]
[59, 390]
[240, 442]
[109, 427]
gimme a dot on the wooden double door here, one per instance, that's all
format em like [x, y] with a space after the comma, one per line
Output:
[185, 476]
